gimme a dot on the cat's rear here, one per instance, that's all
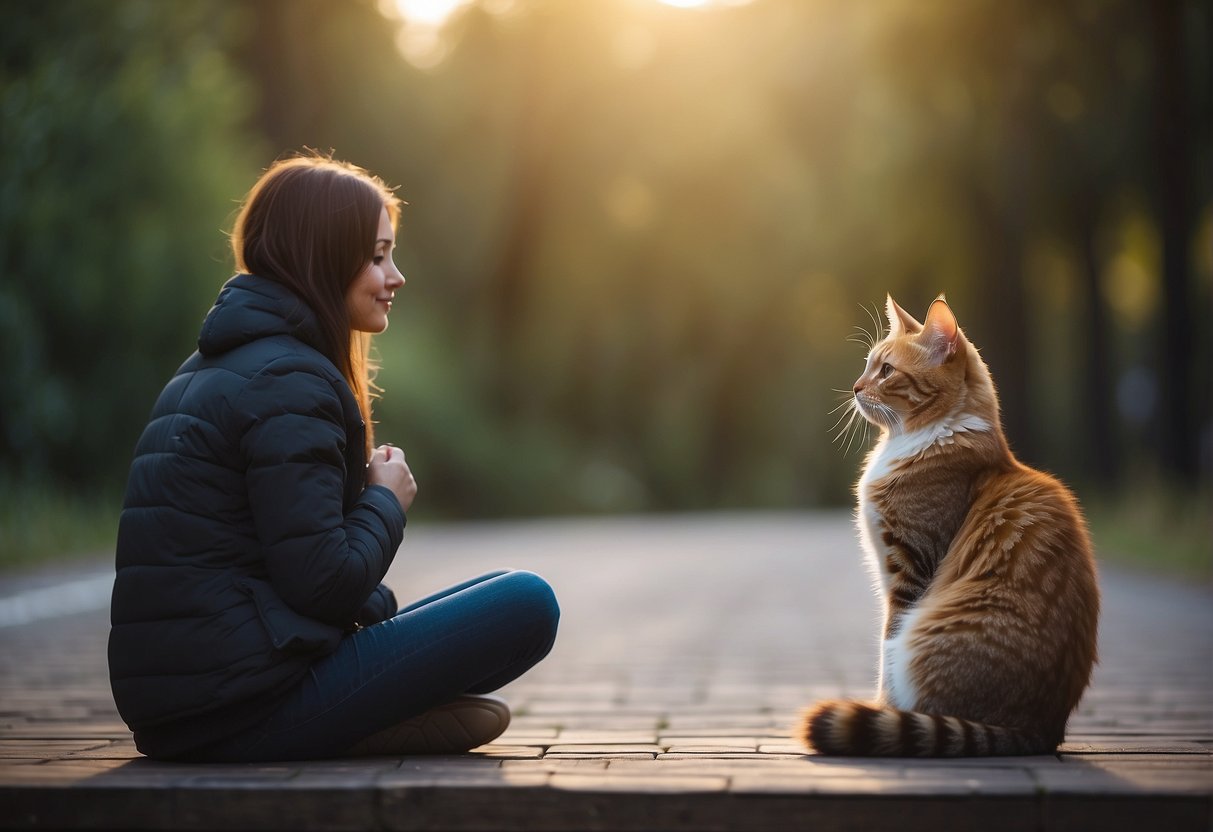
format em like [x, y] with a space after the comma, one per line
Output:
[984, 565]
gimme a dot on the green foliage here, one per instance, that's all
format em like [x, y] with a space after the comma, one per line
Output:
[43, 522]
[122, 159]
[638, 237]
[1158, 528]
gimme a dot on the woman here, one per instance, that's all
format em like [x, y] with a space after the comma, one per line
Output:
[249, 618]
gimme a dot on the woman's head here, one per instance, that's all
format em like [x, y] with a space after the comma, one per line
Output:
[316, 225]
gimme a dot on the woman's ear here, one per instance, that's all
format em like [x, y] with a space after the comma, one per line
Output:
[940, 334]
[901, 322]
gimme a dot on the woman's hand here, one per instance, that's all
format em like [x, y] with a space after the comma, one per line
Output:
[388, 468]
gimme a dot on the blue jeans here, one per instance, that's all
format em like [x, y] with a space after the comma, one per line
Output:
[470, 638]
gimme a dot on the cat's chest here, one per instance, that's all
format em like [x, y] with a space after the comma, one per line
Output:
[889, 474]
[912, 497]
[870, 517]
[887, 465]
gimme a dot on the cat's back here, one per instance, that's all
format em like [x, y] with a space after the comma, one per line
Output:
[1021, 572]
[1019, 509]
[1025, 541]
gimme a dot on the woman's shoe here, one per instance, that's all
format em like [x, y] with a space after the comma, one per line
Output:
[454, 727]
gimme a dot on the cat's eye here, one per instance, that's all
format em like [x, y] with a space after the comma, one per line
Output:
[885, 369]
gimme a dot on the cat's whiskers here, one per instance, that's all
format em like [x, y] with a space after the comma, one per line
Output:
[854, 433]
[847, 419]
[847, 398]
[863, 338]
[852, 422]
[889, 417]
[877, 322]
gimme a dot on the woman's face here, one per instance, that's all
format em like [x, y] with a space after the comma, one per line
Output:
[369, 296]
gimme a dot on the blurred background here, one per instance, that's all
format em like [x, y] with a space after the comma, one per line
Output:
[639, 236]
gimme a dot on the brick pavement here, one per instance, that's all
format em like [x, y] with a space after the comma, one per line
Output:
[687, 646]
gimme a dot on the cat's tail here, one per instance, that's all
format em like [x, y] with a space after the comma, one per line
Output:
[857, 729]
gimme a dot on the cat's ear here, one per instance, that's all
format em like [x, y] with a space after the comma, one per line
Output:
[941, 333]
[901, 322]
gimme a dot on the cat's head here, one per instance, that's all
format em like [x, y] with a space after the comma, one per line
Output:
[922, 373]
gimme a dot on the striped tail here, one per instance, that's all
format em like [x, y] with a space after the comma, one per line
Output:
[856, 729]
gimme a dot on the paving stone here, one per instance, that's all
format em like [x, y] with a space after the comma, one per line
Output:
[453, 764]
[691, 748]
[550, 765]
[782, 748]
[582, 709]
[728, 756]
[612, 748]
[462, 780]
[610, 781]
[683, 739]
[357, 765]
[975, 780]
[115, 750]
[79, 730]
[46, 749]
[589, 722]
[713, 722]
[509, 751]
[779, 768]
[1089, 779]
[522, 739]
[530, 733]
[576, 736]
[603, 755]
[1142, 747]
[709, 684]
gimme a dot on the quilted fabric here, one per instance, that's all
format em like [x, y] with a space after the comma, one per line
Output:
[248, 542]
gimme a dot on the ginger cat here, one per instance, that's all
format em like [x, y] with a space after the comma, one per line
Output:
[984, 564]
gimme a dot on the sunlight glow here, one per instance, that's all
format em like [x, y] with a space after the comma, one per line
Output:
[420, 38]
[422, 41]
[702, 4]
[428, 12]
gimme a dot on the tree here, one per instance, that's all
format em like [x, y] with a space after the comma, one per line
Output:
[122, 159]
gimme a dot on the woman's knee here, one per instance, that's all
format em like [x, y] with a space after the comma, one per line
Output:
[534, 598]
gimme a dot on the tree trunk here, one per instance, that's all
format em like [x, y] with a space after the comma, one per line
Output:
[1096, 423]
[1177, 434]
[1002, 314]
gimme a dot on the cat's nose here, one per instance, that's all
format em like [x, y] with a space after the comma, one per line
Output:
[858, 387]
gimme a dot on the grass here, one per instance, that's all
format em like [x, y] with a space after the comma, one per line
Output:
[40, 523]
[1157, 528]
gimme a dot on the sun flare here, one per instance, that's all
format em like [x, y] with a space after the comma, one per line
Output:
[702, 4]
[428, 12]
[422, 38]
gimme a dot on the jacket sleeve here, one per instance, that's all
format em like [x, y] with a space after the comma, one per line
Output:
[379, 607]
[324, 563]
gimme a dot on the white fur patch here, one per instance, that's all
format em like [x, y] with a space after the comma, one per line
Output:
[891, 451]
[869, 522]
[896, 684]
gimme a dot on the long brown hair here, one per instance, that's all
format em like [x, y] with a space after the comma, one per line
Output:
[310, 223]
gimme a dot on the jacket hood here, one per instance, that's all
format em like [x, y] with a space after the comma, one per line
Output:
[249, 308]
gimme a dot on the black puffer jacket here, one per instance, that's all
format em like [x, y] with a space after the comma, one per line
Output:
[248, 543]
